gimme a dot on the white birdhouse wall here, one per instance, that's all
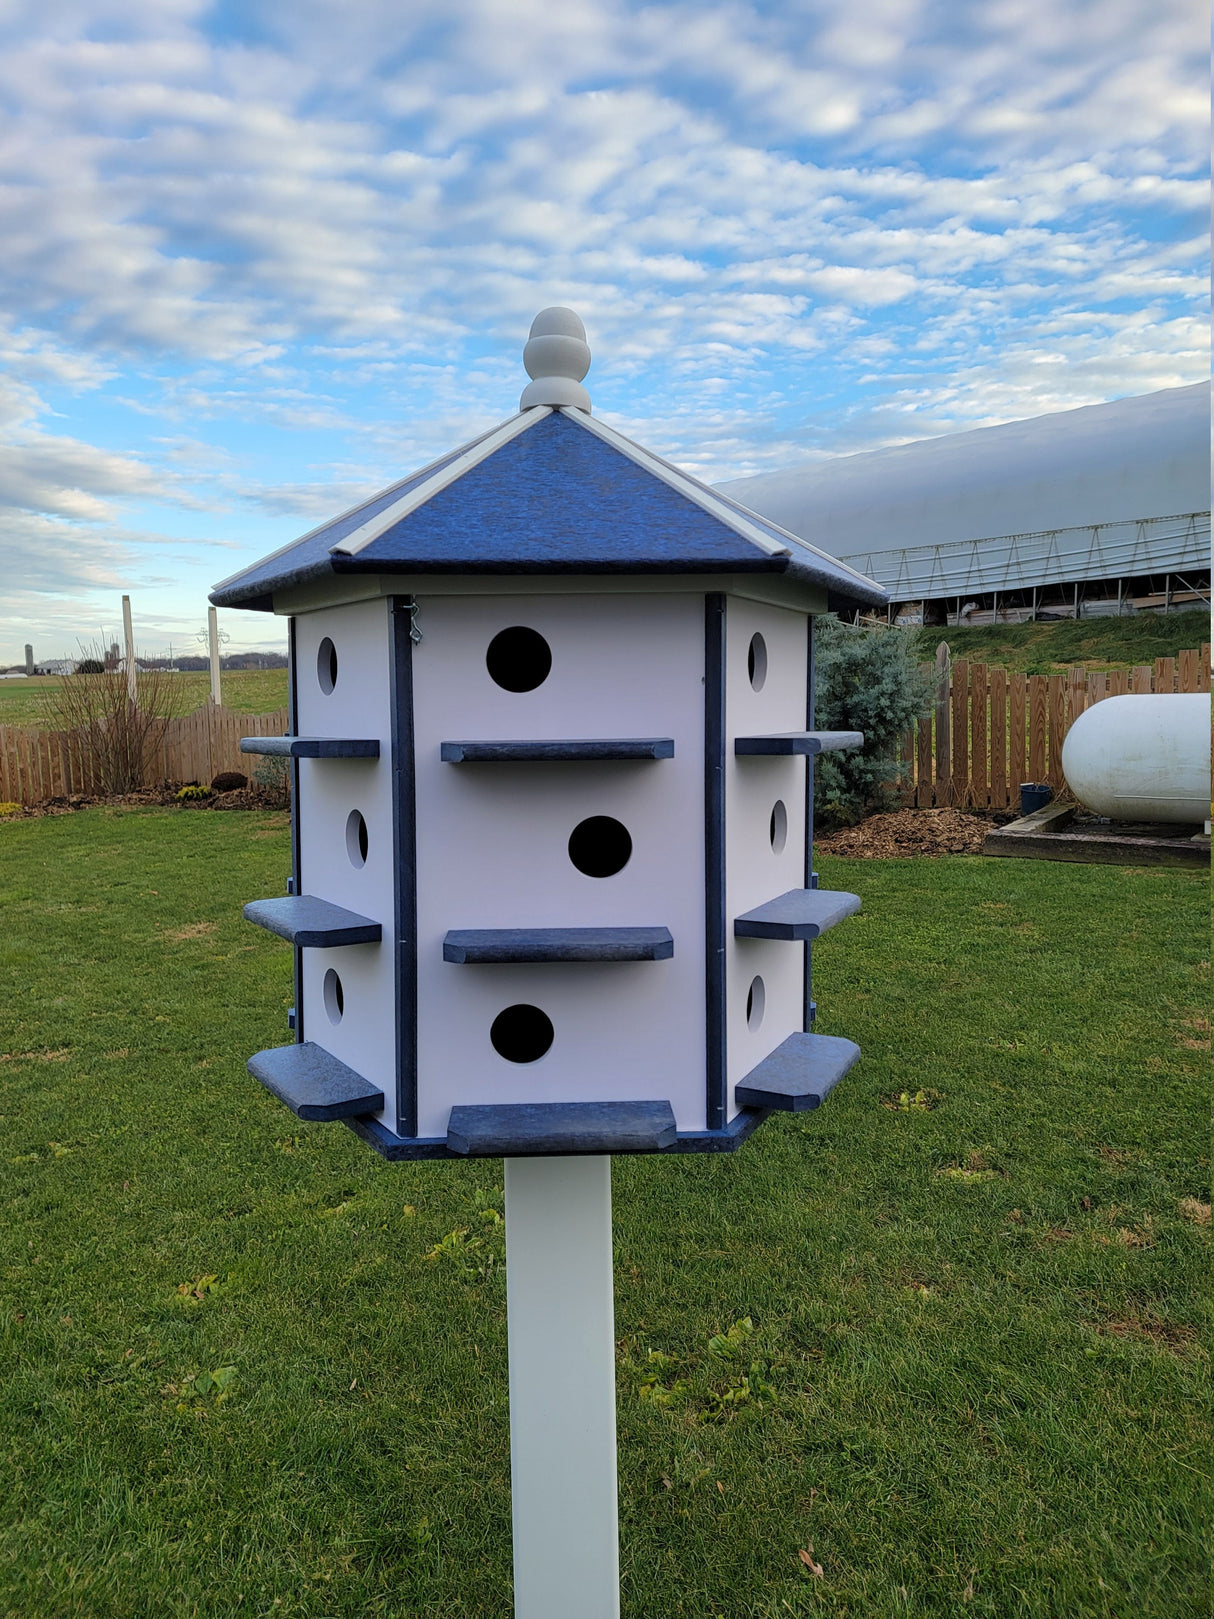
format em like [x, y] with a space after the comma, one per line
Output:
[766, 674]
[494, 850]
[343, 687]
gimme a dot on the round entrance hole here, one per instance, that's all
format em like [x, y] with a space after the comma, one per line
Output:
[521, 1033]
[518, 659]
[356, 838]
[777, 828]
[756, 1002]
[334, 997]
[756, 661]
[600, 846]
[326, 665]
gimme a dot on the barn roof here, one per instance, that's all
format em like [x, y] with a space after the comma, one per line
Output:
[1101, 492]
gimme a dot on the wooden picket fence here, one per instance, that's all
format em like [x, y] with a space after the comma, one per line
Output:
[36, 765]
[991, 729]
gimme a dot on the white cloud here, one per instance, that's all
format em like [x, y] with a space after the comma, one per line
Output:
[336, 224]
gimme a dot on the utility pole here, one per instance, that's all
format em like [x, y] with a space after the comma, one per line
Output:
[129, 635]
[213, 641]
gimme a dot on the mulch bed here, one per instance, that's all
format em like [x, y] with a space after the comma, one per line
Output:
[243, 798]
[907, 832]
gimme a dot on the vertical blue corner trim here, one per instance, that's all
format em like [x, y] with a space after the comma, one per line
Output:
[714, 858]
[809, 1010]
[296, 885]
[404, 842]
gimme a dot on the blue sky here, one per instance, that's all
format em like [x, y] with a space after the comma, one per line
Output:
[261, 259]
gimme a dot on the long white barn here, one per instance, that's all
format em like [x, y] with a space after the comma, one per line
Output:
[1090, 511]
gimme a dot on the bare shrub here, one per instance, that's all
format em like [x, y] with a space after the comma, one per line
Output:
[118, 739]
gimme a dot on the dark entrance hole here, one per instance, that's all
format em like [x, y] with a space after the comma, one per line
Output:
[521, 1033]
[518, 659]
[600, 846]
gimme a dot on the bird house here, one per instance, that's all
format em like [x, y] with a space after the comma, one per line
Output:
[551, 743]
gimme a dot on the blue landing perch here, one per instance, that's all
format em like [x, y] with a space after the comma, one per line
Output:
[543, 1129]
[314, 1084]
[806, 743]
[799, 1074]
[498, 946]
[572, 751]
[313, 923]
[311, 747]
[802, 913]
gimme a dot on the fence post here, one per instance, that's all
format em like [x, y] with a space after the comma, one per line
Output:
[923, 771]
[944, 757]
[1056, 686]
[999, 793]
[1017, 727]
[978, 720]
[1142, 678]
[960, 731]
[1165, 674]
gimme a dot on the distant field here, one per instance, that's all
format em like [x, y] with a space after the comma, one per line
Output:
[1096, 643]
[249, 691]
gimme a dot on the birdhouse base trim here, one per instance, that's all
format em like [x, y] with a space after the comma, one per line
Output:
[403, 1149]
[313, 1083]
[799, 1074]
[544, 1129]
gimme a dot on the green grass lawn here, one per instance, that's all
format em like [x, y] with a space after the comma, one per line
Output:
[977, 1381]
[250, 691]
[1096, 643]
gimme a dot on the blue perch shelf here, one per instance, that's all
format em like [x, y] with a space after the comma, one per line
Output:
[313, 1084]
[802, 913]
[311, 747]
[307, 921]
[572, 751]
[799, 1074]
[809, 743]
[496, 946]
[537, 1129]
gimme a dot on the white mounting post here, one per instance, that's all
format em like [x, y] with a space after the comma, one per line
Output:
[213, 639]
[561, 1316]
[128, 634]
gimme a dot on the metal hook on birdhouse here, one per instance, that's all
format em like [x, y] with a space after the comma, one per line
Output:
[415, 634]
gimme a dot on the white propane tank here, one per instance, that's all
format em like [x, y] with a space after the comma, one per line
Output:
[1142, 757]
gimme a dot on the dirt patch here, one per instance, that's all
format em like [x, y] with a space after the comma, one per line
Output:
[192, 930]
[1146, 1325]
[901, 833]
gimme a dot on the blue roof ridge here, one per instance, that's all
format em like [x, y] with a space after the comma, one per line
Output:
[744, 522]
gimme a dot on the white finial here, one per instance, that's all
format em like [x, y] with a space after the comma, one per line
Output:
[557, 358]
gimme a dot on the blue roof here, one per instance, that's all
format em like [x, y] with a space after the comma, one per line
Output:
[558, 495]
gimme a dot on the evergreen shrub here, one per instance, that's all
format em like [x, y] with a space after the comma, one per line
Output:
[867, 680]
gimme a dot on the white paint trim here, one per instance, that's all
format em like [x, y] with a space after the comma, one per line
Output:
[774, 588]
[727, 511]
[358, 539]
